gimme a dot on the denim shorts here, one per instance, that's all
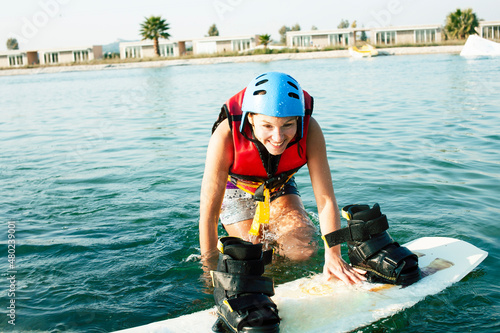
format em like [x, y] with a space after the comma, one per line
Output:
[239, 205]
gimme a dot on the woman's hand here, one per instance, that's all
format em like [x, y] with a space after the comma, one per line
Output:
[328, 211]
[208, 263]
[335, 266]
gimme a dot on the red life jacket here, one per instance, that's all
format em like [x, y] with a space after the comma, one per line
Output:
[248, 163]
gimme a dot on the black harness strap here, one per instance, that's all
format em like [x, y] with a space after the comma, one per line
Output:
[310, 110]
[272, 183]
[224, 114]
[236, 117]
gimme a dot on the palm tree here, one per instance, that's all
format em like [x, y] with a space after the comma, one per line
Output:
[155, 28]
[461, 23]
[265, 40]
[12, 44]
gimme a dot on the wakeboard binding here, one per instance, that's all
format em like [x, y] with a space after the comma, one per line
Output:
[241, 293]
[372, 249]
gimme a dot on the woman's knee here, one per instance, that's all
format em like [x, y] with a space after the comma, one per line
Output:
[298, 245]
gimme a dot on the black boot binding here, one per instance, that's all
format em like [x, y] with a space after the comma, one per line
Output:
[372, 249]
[242, 294]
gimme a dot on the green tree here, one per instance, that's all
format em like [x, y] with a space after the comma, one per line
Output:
[363, 37]
[155, 28]
[354, 24]
[12, 44]
[213, 31]
[344, 24]
[461, 23]
[265, 40]
[283, 30]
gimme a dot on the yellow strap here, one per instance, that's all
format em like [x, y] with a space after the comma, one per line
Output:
[263, 207]
[227, 304]
[346, 215]
[220, 246]
[261, 215]
[212, 275]
[326, 243]
[244, 185]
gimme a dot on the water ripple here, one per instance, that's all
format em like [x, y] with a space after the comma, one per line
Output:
[101, 172]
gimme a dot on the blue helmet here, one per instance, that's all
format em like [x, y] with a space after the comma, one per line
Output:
[273, 94]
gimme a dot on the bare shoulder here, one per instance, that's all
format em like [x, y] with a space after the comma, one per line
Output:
[313, 124]
[315, 138]
[222, 133]
[221, 145]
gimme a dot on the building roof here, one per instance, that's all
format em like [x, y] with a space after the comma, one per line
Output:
[148, 42]
[409, 27]
[324, 32]
[221, 38]
[488, 23]
[68, 49]
[14, 52]
[352, 30]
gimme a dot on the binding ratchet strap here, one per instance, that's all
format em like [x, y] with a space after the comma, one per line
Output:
[361, 231]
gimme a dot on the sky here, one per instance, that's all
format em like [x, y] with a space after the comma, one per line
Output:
[45, 24]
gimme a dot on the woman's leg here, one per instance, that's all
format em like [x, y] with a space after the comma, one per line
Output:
[293, 230]
[290, 230]
[240, 229]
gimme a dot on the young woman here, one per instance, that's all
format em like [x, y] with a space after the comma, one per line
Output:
[264, 134]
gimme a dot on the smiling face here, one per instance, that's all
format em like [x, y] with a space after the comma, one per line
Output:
[275, 133]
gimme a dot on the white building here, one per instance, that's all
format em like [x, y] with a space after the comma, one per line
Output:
[489, 29]
[320, 38]
[217, 44]
[17, 58]
[70, 55]
[145, 49]
[421, 34]
[418, 34]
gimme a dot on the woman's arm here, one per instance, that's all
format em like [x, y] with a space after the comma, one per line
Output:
[218, 161]
[329, 217]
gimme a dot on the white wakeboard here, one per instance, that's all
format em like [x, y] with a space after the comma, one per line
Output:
[477, 46]
[312, 304]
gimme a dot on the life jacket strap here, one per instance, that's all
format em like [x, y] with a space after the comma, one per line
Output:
[262, 213]
[262, 194]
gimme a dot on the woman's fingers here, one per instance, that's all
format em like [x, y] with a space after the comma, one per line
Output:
[347, 274]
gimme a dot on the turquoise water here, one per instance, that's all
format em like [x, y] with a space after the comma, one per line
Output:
[100, 174]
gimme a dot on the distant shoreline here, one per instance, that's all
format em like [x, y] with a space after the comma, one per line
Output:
[449, 49]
